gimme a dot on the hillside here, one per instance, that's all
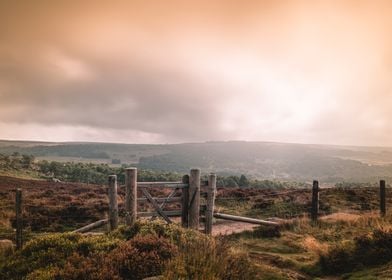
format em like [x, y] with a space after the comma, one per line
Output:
[264, 160]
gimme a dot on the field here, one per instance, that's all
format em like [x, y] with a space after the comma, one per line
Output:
[298, 250]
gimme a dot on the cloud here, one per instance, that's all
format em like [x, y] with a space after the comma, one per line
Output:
[296, 72]
[111, 96]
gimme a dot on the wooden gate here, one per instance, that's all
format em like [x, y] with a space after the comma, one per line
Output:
[186, 194]
[195, 200]
[159, 203]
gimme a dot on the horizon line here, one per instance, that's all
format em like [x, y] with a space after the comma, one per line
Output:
[190, 142]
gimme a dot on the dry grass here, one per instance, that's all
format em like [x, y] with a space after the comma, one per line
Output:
[296, 254]
[341, 216]
[313, 245]
[210, 258]
[5, 217]
[6, 248]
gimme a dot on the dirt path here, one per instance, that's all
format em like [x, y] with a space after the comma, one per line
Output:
[228, 227]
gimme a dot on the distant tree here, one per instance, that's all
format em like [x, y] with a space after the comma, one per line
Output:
[27, 160]
[15, 154]
[243, 181]
[231, 182]
[5, 158]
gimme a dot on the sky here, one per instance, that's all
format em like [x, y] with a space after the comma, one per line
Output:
[153, 71]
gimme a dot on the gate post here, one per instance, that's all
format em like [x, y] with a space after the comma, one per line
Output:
[315, 201]
[211, 191]
[19, 222]
[194, 199]
[185, 202]
[113, 206]
[130, 195]
[383, 209]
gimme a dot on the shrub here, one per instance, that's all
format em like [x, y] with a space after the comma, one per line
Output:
[365, 250]
[42, 274]
[40, 253]
[86, 268]
[339, 259]
[96, 243]
[153, 248]
[203, 257]
[197, 257]
[267, 232]
[140, 257]
[158, 228]
[53, 250]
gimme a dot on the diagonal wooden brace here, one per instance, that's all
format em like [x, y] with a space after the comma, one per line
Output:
[156, 206]
[172, 194]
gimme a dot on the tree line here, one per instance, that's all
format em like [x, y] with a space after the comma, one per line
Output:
[98, 173]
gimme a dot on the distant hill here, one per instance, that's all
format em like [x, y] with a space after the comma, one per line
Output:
[264, 160]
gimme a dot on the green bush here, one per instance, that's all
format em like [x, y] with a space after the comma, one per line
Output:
[47, 273]
[40, 253]
[158, 227]
[52, 250]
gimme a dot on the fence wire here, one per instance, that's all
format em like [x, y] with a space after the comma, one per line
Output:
[287, 203]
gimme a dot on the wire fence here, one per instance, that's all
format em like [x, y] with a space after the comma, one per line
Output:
[247, 198]
[285, 203]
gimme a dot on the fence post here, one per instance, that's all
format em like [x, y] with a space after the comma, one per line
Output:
[383, 209]
[130, 195]
[315, 201]
[113, 206]
[19, 221]
[185, 202]
[194, 198]
[211, 191]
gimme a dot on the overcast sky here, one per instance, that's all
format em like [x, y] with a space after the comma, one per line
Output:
[178, 71]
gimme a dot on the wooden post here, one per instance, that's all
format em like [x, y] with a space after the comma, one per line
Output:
[194, 198]
[130, 195]
[211, 191]
[185, 202]
[113, 206]
[315, 201]
[19, 221]
[383, 209]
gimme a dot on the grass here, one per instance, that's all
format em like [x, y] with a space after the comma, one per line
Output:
[381, 272]
[249, 209]
[21, 173]
[296, 253]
